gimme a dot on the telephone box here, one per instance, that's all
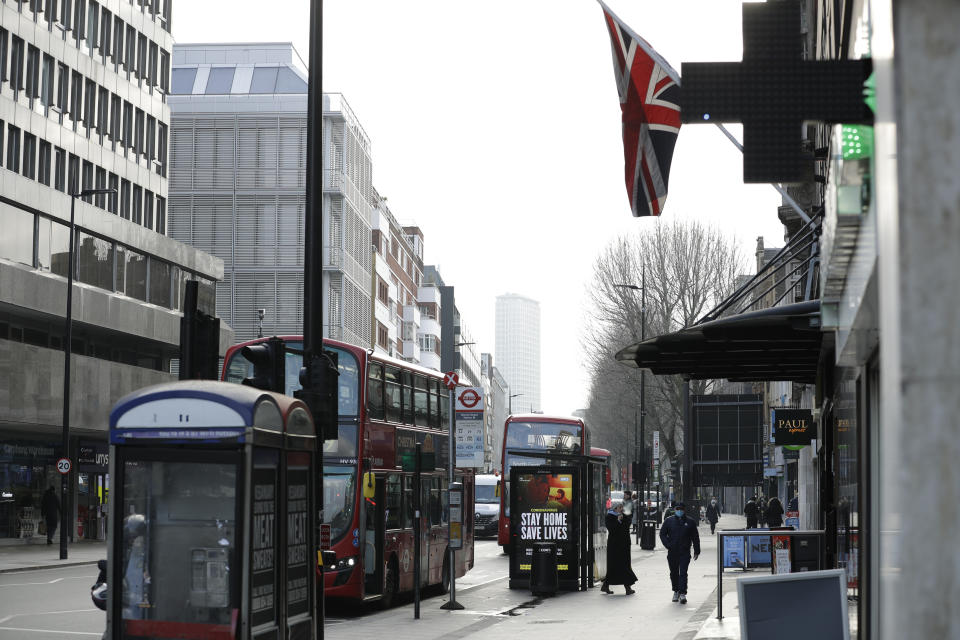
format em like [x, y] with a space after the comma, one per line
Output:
[210, 532]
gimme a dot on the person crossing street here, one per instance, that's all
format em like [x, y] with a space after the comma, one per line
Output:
[678, 534]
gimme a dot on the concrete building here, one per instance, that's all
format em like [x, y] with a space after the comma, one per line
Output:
[83, 104]
[517, 351]
[497, 400]
[429, 331]
[238, 172]
[458, 350]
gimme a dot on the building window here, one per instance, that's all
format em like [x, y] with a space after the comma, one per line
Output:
[90, 105]
[44, 163]
[141, 56]
[63, 87]
[118, 27]
[46, 82]
[383, 336]
[127, 138]
[383, 291]
[152, 65]
[93, 20]
[59, 170]
[137, 204]
[106, 25]
[53, 243]
[135, 274]
[95, 261]
[76, 96]
[13, 148]
[264, 80]
[4, 43]
[73, 174]
[65, 14]
[16, 65]
[101, 198]
[162, 149]
[87, 180]
[114, 183]
[220, 80]
[160, 283]
[130, 50]
[29, 156]
[79, 22]
[161, 216]
[138, 135]
[33, 72]
[148, 209]
[151, 138]
[16, 241]
[183, 81]
[164, 71]
[125, 199]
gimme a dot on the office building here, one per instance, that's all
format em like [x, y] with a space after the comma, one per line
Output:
[237, 187]
[83, 105]
[517, 349]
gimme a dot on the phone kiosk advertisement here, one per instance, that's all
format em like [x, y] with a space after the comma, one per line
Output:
[211, 535]
[544, 508]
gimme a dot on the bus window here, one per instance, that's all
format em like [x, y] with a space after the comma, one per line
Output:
[339, 495]
[375, 392]
[393, 390]
[436, 392]
[392, 506]
[407, 521]
[421, 411]
[406, 394]
[348, 383]
[444, 410]
[436, 507]
[345, 446]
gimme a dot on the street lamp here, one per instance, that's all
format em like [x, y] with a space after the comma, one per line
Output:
[67, 344]
[510, 401]
[642, 288]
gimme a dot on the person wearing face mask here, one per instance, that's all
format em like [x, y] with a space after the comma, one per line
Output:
[713, 514]
[677, 534]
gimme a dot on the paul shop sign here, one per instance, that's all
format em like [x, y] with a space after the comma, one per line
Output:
[793, 427]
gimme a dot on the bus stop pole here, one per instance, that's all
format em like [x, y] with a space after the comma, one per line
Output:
[416, 533]
[452, 603]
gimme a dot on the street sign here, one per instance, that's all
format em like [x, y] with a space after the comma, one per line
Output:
[63, 466]
[468, 398]
[656, 447]
[469, 412]
[324, 536]
[450, 380]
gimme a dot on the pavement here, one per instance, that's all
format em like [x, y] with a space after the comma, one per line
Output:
[490, 607]
[26, 557]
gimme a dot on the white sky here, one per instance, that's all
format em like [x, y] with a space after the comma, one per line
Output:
[495, 127]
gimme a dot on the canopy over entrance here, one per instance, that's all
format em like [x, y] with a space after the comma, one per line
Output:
[779, 343]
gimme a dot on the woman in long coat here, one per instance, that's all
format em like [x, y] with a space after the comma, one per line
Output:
[619, 570]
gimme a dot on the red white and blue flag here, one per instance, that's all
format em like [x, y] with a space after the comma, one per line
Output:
[649, 100]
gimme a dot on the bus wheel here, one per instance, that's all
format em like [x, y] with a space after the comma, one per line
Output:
[390, 584]
[445, 576]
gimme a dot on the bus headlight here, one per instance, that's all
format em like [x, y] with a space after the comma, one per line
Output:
[344, 564]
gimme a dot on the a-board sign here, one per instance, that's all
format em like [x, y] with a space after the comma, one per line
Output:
[779, 606]
[543, 508]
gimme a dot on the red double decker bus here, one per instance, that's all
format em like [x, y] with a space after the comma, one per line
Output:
[386, 407]
[535, 433]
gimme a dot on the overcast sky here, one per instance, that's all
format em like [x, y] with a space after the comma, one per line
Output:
[495, 127]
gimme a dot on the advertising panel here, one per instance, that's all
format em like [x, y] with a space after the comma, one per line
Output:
[469, 421]
[544, 509]
[733, 552]
[263, 567]
[758, 551]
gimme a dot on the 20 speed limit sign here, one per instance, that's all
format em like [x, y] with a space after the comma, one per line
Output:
[63, 465]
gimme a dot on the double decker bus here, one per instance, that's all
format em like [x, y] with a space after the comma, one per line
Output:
[535, 433]
[386, 406]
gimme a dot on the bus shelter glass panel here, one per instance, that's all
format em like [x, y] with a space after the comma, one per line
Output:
[179, 542]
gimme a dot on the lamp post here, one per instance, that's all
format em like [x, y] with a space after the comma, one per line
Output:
[452, 564]
[642, 288]
[67, 344]
[510, 401]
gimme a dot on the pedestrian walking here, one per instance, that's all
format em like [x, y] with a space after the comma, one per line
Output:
[678, 534]
[619, 570]
[50, 508]
[751, 510]
[794, 503]
[713, 514]
[774, 512]
[762, 510]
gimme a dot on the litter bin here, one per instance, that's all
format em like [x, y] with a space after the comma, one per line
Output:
[543, 569]
[648, 535]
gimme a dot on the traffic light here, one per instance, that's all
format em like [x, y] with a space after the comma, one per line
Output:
[320, 394]
[639, 472]
[268, 359]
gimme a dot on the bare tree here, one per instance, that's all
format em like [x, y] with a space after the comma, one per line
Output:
[689, 267]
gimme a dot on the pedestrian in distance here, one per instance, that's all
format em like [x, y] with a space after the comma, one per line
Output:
[713, 514]
[50, 508]
[619, 570]
[678, 534]
[762, 510]
[751, 510]
[774, 512]
[794, 503]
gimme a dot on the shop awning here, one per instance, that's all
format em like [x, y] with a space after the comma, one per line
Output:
[779, 343]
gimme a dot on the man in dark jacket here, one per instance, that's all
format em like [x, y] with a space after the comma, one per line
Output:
[677, 534]
[751, 510]
[713, 514]
[50, 508]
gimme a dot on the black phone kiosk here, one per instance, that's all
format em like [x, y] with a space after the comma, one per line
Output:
[211, 532]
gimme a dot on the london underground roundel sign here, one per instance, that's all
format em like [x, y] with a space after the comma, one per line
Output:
[469, 398]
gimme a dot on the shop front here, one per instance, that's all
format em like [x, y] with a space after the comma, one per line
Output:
[27, 468]
[93, 489]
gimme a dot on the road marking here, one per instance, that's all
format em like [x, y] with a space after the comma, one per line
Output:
[54, 581]
[474, 586]
[43, 613]
[55, 632]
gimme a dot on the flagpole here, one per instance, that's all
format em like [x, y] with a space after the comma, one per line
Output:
[676, 78]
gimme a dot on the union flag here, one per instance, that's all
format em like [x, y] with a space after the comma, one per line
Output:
[649, 100]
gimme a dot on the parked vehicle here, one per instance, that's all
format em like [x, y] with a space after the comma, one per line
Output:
[486, 505]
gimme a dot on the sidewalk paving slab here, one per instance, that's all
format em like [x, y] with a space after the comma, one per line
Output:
[27, 557]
